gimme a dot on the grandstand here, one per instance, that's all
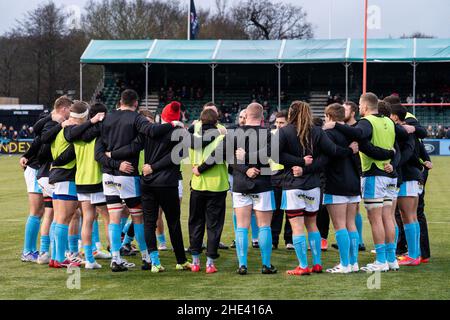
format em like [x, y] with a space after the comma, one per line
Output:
[227, 71]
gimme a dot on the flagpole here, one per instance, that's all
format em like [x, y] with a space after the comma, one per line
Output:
[189, 21]
[365, 48]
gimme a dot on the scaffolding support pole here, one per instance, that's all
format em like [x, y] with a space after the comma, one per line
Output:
[279, 66]
[414, 64]
[81, 81]
[346, 80]
[213, 67]
[146, 85]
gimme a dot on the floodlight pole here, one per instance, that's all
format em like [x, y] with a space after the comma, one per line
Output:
[414, 64]
[213, 67]
[146, 85]
[81, 81]
[365, 47]
[279, 66]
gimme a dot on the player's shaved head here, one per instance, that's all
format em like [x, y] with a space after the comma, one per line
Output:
[370, 100]
[254, 111]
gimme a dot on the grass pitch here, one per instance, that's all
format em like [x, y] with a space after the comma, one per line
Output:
[20, 280]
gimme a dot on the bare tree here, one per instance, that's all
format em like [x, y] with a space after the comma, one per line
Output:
[135, 19]
[8, 52]
[264, 19]
[44, 28]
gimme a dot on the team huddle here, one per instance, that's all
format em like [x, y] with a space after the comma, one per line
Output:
[86, 162]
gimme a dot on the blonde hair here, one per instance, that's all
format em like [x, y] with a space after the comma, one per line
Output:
[300, 116]
[62, 101]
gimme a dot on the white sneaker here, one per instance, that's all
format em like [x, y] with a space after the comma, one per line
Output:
[354, 267]
[394, 265]
[92, 266]
[373, 251]
[340, 269]
[128, 264]
[376, 266]
[75, 258]
[102, 254]
[290, 246]
[162, 247]
[44, 258]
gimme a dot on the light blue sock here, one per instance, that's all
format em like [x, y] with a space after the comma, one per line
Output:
[359, 227]
[61, 235]
[114, 236]
[127, 240]
[242, 245]
[123, 222]
[410, 235]
[154, 256]
[234, 221]
[343, 242]
[254, 226]
[418, 239]
[396, 235]
[95, 235]
[209, 261]
[53, 240]
[265, 244]
[380, 252]
[73, 243]
[354, 246]
[390, 252]
[126, 227]
[31, 233]
[315, 240]
[161, 238]
[301, 249]
[140, 238]
[45, 243]
[88, 253]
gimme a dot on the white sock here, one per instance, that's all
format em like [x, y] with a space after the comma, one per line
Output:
[196, 260]
[116, 256]
[209, 261]
[145, 256]
[98, 245]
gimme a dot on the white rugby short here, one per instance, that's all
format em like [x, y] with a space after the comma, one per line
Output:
[410, 189]
[31, 181]
[93, 198]
[378, 187]
[263, 201]
[296, 199]
[47, 188]
[125, 187]
[336, 199]
[65, 190]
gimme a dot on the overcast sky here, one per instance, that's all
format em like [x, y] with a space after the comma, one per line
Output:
[389, 18]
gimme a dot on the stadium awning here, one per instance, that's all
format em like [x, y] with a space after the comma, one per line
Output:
[265, 51]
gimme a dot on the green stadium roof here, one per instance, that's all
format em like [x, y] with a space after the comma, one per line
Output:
[265, 51]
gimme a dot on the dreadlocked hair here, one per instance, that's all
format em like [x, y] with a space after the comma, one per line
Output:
[300, 116]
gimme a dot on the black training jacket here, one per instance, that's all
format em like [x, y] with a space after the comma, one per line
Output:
[292, 153]
[342, 173]
[120, 128]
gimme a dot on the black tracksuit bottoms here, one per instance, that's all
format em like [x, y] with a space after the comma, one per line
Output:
[206, 208]
[168, 200]
[277, 221]
[424, 238]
